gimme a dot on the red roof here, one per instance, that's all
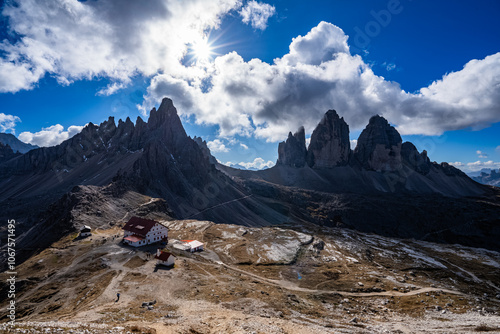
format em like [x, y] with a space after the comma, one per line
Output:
[139, 226]
[163, 256]
[134, 238]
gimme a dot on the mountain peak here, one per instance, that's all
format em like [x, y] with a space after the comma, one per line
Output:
[330, 144]
[167, 104]
[15, 144]
[379, 146]
[166, 115]
[292, 152]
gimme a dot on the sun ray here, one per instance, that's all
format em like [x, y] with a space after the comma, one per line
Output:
[202, 50]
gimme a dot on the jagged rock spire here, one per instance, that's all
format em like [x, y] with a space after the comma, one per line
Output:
[292, 152]
[330, 144]
[379, 146]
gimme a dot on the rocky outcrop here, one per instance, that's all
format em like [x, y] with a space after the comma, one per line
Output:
[330, 146]
[6, 152]
[419, 162]
[292, 152]
[206, 151]
[379, 146]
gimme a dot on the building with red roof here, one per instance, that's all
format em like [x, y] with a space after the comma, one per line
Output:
[141, 232]
[165, 258]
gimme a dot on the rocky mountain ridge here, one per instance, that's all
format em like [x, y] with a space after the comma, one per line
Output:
[15, 144]
[154, 158]
[380, 163]
[379, 148]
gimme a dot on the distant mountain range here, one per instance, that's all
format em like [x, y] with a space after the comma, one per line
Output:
[384, 186]
[15, 144]
[490, 177]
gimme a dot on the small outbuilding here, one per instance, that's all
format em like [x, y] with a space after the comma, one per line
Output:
[193, 245]
[165, 258]
[85, 231]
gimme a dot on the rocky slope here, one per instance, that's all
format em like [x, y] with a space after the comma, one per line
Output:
[155, 158]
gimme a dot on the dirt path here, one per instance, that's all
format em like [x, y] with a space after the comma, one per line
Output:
[291, 286]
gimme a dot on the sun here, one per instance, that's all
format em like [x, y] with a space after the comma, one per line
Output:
[202, 50]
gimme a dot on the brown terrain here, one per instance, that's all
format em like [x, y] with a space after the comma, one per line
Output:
[282, 279]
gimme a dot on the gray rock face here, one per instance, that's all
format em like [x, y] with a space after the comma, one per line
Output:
[379, 146]
[6, 152]
[329, 145]
[419, 162]
[206, 151]
[292, 152]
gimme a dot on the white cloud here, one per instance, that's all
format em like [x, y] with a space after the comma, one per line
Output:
[257, 163]
[257, 14]
[51, 136]
[481, 155]
[254, 98]
[245, 147]
[354, 142]
[8, 122]
[389, 66]
[457, 164]
[498, 149]
[73, 40]
[113, 88]
[217, 146]
[478, 165]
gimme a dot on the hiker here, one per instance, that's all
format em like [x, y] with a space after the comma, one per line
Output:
[117, 297]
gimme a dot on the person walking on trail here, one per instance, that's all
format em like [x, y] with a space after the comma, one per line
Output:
[117, 297]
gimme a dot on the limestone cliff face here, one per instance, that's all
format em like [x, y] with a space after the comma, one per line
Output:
[206, 151]
[419, 162]
[379, 146]
[292, 152]
[329, 145]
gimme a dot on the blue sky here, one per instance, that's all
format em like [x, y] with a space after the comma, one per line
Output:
[79, 62]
